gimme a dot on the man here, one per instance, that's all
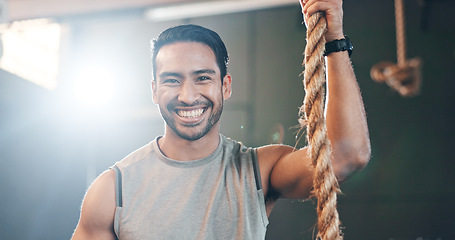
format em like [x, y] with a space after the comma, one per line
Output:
[193, 183]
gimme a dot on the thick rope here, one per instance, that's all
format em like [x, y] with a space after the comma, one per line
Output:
[325, 184]
[405, 76]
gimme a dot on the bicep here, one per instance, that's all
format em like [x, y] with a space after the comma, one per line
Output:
[291, 172]
[98, 209]
[293, 175]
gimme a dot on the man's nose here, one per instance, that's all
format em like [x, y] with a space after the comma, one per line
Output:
[188, 93]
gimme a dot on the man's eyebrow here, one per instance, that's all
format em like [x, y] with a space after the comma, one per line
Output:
[202, 71]
[170, 74]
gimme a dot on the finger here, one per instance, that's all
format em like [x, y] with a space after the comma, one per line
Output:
[317, 7]
[313, 6]
[307, 4]
[302, 4]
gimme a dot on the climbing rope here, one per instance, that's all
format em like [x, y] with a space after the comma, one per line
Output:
[405, 76]
[325, 184]
[400, 33]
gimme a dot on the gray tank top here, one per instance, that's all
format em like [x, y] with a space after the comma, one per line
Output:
[217, 197]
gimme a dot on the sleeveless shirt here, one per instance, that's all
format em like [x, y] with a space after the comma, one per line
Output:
[217, 197]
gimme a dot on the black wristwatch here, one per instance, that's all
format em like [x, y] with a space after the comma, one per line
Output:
[338, 46]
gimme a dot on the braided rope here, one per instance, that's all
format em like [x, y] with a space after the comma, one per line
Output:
[325, 184]
[405, 76]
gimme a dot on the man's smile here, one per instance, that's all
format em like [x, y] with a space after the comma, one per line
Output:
[193, 113]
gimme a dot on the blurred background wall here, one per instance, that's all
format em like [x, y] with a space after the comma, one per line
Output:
[53, 142]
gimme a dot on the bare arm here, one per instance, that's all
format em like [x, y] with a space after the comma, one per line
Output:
[289, 172]
[346, 119]
[345, 113]
[98, 208]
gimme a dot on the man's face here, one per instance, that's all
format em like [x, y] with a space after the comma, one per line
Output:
[188, 89]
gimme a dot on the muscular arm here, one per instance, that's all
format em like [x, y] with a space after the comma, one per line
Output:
[288, 172]
[97, 213]
[346, 119]
[345, 114]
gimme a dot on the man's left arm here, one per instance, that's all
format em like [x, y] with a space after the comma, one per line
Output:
[292, 173]
[347, 127]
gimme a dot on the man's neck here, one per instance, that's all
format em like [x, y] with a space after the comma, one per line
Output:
[177, 148]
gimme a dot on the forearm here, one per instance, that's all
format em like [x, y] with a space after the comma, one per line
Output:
[345, 115]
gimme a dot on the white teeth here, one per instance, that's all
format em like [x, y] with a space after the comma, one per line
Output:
[191, 114]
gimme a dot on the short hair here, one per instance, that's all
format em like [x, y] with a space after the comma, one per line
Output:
[192, 33]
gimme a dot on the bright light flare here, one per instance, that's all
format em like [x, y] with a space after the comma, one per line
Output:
[94, 87]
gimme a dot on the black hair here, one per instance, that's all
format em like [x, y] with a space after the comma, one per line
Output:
[192, 33]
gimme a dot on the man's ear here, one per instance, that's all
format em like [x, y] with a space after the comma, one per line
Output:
[153, 86]
[227, 86]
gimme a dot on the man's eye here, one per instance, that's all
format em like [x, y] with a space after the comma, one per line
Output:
[203, 78]
[170, 81]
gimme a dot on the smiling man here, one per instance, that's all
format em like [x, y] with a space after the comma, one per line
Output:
[188, 88]
[195, 183]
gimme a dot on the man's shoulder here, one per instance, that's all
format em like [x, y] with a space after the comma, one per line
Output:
[98, 208]
[138, 155]
[235, 145]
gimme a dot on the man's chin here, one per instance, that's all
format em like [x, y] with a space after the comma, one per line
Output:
[191, 137]
[191, 132]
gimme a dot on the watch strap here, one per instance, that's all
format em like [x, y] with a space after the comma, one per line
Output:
[338, 46]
